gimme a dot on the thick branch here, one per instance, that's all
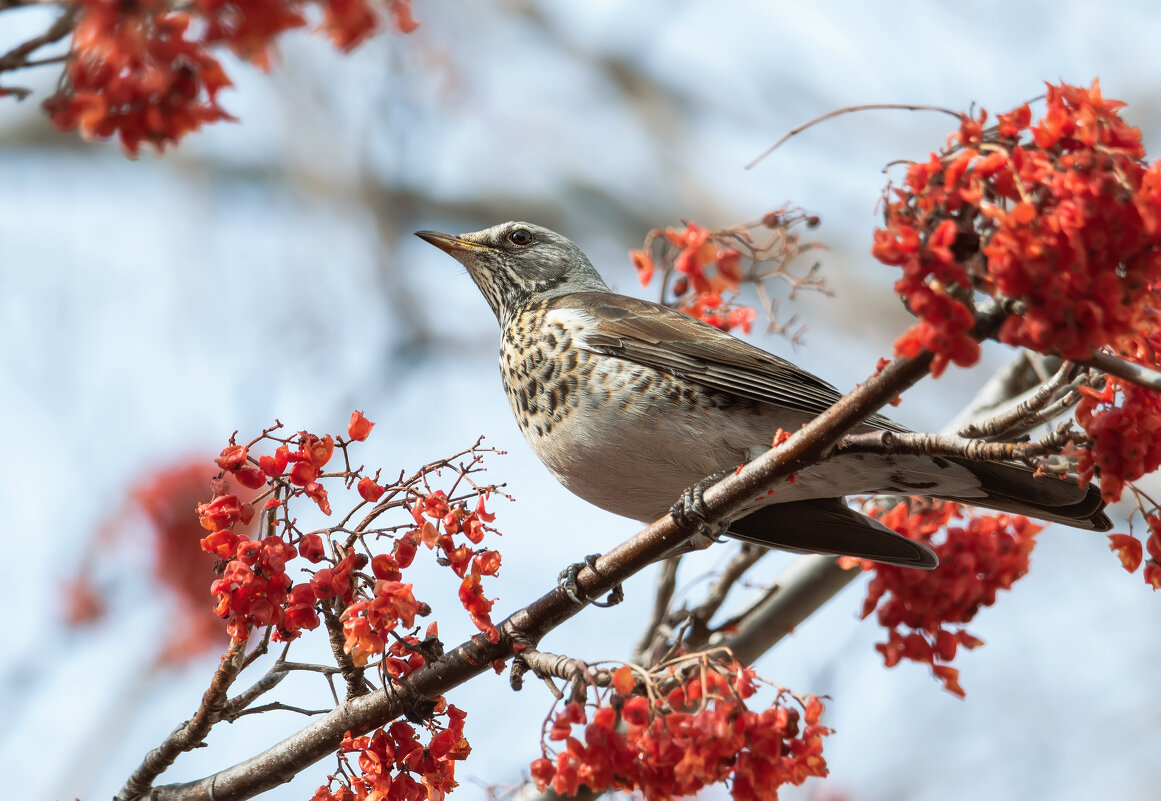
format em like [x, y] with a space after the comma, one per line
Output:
[888, 442]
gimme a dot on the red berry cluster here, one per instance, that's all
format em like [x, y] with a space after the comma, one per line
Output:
[702, 270]
[1123, 424]
[708, 275]
[678, 730]
[976, 561]
[1131, 552]
[254, 588]
[142, 69]
[138, 74]
[393, 765]
[1060, 216]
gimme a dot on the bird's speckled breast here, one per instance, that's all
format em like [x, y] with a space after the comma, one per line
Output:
[542, 371]
[609, 429]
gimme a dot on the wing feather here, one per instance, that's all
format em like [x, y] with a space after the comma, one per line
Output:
[656, 336]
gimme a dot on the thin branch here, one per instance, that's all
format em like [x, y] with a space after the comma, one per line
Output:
[17, 57]
[743, 560]
[801, 589]
[1026, 415]
[189, 734]
[848, 110]
[655, 630]
[1126, 370]
[275, 706]
[239, 704]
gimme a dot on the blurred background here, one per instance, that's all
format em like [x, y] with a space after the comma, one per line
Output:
[266, 269]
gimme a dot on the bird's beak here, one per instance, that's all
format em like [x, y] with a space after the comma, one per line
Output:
[447, 242]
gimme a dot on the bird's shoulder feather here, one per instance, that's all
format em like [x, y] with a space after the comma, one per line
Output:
[658, 337]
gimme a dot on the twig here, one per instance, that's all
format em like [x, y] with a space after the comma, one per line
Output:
[189, 734]
[804, 586]
[1129, 371]
[1025, 415]
[654, 629]
[743, 560]
[17, 57]
[848, 110]
[274, 706]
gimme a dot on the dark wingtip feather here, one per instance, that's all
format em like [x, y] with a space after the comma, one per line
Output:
[1018, 490]
[830, 526]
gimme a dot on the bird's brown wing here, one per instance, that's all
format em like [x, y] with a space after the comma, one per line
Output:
[659, 337]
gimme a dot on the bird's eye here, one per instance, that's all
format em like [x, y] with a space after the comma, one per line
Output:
[520, 237]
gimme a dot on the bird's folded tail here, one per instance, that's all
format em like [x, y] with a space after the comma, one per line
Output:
[1017, 490]
[830, 526]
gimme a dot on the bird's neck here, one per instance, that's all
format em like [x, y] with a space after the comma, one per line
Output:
[547, 293]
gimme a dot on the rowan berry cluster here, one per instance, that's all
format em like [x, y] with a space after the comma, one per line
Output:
[144, 69]
[679, 728]
[1059, 218]
[703, 271]
[976, 560]
[393, 765]
[254, 587]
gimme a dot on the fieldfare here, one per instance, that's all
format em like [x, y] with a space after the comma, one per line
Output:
[628, 403]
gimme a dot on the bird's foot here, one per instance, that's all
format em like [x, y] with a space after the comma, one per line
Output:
[690, 508]
[568, 583]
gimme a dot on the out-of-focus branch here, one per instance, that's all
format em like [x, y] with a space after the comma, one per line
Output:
[657, 630]
[799, 591]
[18, 57]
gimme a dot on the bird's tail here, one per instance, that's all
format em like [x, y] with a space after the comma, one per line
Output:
[1018, 490]
[828, 525]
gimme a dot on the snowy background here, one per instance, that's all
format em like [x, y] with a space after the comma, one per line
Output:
[267, 269]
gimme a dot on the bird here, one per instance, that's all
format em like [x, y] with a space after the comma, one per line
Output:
[630, 403]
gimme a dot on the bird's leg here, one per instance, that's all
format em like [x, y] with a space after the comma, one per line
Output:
[567, 582]
[690, 507]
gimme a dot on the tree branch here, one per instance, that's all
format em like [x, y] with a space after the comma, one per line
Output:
[17, 57]
[190, 733]
[1129, 371]
[805, 585]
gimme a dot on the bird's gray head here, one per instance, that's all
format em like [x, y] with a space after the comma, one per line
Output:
[515, 263]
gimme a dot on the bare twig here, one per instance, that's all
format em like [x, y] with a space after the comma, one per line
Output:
[656, 629]
[277, 706]
[1129, 371]
[848, 110]
[17, 57]
[239, 704]
[1026, 415]
[804, 586]
[743, 560]
[189, 734]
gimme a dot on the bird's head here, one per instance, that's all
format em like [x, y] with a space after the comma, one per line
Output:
[515, 263]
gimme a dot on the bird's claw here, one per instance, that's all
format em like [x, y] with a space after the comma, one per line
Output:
[690, 508]
[567, 582]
